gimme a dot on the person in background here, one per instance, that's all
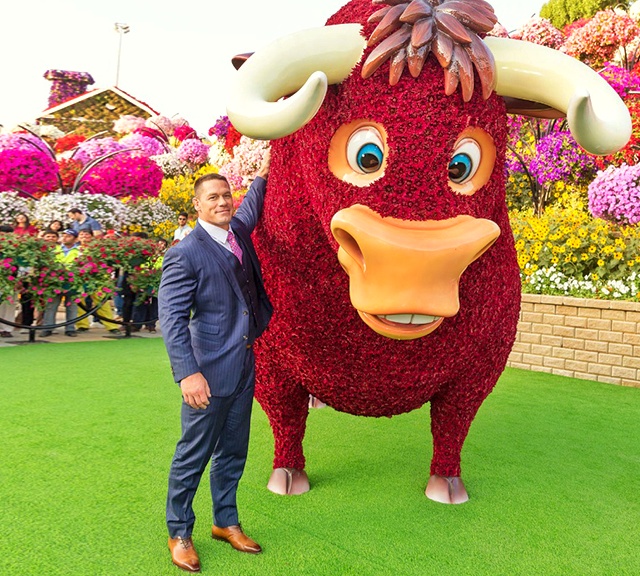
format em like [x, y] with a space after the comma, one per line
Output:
[183, 228]
[66, 253]
[147, 311]
[7, 307]
[51, 236]
[82, 220]
[22, 226]
[104, 313]
[131, 314]
[55, 226]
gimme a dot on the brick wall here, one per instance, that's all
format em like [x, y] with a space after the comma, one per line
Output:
[581, 338]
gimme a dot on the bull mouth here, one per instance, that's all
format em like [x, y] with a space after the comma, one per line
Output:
[401, 326]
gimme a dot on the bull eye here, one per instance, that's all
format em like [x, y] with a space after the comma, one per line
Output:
[365, 150]
[465, 161]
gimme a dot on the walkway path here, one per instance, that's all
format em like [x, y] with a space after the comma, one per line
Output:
[96, 332]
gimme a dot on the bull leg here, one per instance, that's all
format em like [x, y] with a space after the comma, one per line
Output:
[449, 426]
[287, 410]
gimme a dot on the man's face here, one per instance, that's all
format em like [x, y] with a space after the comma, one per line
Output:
[84, 237]
[182, 220]
[50, 238]
[73, 215]
[68, 239]
[214, 203]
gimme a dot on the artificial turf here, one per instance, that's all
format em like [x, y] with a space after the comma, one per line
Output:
[87, 430]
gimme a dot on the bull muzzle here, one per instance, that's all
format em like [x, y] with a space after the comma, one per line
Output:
[404, 275]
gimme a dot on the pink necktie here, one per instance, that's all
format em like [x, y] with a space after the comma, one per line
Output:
[235, 247]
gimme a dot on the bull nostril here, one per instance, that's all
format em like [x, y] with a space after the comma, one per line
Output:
[484, 249]
[350, 245]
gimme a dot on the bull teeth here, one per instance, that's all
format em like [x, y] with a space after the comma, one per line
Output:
[423, 319]
[409, 318]
[400, 318]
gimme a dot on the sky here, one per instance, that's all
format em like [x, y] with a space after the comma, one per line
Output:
[176, 57]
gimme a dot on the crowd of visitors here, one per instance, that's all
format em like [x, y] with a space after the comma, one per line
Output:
[121, 313]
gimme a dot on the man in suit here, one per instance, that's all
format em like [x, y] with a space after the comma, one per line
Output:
[212, 307]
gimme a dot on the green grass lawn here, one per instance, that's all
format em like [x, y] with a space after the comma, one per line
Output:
[87, 431]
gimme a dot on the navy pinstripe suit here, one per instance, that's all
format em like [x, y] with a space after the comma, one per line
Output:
[211, 310]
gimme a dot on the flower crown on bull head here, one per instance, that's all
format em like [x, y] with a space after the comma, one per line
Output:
[408, 32]
[532, 79]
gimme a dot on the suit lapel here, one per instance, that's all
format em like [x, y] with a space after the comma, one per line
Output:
[217, 251]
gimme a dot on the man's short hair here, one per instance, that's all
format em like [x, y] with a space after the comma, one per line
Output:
[86, 229]
[183, 215]
[205, 178]
[49, 231]
[75, 211]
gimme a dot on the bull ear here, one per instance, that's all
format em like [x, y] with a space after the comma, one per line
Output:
[239, 59]
[530, 108]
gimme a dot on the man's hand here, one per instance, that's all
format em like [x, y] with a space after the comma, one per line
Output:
[195, 390]
[266, 164]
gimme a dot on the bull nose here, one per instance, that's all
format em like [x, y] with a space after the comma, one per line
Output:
[399, 267]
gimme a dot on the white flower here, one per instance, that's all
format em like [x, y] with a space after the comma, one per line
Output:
[109, 211]
[12, 204]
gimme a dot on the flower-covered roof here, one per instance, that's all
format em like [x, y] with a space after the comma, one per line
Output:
[94, 111]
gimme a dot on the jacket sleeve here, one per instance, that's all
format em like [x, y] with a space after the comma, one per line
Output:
[251, 206]
[176, 298]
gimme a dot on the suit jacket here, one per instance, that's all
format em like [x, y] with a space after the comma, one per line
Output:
[203, 314]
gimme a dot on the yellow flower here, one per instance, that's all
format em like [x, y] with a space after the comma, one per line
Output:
[601, 263]
[618, 255]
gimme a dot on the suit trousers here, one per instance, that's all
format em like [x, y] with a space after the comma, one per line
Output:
[219, 433]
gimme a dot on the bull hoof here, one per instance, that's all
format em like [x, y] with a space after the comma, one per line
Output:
[446, 489]
[315, 402]
[288, 482]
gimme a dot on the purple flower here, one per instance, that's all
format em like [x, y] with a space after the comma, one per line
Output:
[221, 128]
[558, 157]
[621, 80]
[92, 149]
[614, 194]
[193, 152]
[145, 145]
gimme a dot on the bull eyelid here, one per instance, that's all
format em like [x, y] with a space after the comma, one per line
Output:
[483, 172]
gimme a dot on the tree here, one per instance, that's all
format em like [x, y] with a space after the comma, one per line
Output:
[563, 12]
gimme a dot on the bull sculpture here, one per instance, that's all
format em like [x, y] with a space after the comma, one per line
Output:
[385, 238]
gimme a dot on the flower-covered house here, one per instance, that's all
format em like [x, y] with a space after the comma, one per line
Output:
[74, 108]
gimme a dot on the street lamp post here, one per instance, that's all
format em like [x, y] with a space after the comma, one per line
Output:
[120, 29]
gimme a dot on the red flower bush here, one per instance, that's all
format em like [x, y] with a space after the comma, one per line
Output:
[597, 41]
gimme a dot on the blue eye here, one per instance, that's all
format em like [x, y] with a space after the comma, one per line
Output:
[369, 158]
[459, 168]
[465, 161]
[365, 151]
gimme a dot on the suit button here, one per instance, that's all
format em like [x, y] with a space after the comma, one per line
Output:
[248, 346]
[246, 337]
[245, 312]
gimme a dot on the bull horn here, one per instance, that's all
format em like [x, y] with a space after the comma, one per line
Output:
[302, 64]
[598, 118]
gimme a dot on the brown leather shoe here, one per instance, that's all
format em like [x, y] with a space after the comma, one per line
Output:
[237, 538]
[183, 554]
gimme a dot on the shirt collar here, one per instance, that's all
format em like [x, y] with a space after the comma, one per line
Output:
[217, 233]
